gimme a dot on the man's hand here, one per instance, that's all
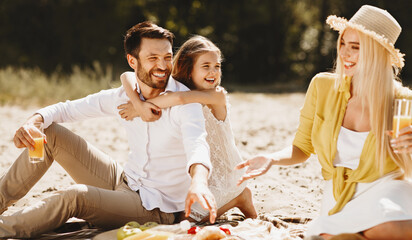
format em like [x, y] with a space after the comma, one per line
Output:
[255, 167]
[23, 137]
[148, 112]
[199, 192]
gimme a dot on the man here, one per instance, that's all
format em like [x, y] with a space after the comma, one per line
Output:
[169, 157]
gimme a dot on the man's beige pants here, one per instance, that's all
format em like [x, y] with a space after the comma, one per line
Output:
[100, 196]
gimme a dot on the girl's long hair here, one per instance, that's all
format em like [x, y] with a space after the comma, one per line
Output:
[377, 83]
[187, 55]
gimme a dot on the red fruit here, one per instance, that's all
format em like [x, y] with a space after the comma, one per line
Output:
[193, 230]
[226, 230]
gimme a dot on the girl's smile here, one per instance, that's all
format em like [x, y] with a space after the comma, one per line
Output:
[206, 71]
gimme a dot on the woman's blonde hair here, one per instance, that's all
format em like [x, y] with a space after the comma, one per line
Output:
[187, 55]
[376, 85]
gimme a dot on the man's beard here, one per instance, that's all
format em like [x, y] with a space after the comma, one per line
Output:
[146, 77]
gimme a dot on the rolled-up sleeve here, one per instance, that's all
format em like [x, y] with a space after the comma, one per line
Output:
[95, 105]
[192, 125]
[303, 137]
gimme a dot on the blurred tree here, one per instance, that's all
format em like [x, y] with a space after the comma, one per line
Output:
[50, 33]
[263, 41]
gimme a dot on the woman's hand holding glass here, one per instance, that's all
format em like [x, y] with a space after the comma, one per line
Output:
[403, 143]
[402, 129]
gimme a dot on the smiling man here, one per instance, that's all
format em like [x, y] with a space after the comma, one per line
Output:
[168, 164]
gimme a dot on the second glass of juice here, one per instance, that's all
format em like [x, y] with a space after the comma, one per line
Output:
[402, 116]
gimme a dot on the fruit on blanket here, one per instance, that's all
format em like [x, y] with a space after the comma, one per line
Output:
[133, 224]
[150, 235]
[131, 228]
[148, 225]
[127, 230]
[185, 225]
[226, 230]
[210, 233]
[193, 230]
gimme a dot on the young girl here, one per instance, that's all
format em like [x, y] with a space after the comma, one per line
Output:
[345, 120]
[197, 64]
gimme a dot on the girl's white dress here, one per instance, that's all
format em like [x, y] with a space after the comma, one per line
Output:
[383, 200]
[224, 156]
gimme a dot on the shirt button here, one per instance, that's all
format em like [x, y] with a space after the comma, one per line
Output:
[345, 177]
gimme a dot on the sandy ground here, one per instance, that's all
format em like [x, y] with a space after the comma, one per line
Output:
[262, 123]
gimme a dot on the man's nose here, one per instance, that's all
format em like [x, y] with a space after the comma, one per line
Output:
[161, 64]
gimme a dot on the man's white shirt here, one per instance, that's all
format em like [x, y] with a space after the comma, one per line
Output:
[161, 152]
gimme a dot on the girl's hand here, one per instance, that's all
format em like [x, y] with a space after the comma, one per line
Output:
[255, 167]
[403, 143]
[218, 91]
[148, 112]
[221, 89]
[127, 111]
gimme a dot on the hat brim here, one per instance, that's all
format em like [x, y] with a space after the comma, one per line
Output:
[340, 24]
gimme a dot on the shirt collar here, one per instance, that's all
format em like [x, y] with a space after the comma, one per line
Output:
[170, 87]
[345, 84]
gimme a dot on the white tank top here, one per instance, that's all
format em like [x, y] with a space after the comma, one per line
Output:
[349, 148]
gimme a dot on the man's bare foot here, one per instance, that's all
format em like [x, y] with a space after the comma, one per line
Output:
[245, 204]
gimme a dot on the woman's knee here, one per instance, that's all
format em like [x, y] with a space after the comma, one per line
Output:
[391, 230]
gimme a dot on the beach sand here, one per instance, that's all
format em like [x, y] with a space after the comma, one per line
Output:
[262, 123]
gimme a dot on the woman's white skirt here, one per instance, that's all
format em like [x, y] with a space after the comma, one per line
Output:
[374, 203]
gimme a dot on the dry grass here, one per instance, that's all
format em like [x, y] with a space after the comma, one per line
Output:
[28, 87]
[32, 87]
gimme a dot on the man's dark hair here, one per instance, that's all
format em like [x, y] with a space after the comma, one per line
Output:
[145, 29]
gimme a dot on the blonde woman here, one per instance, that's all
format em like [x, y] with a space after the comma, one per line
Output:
[345, 120]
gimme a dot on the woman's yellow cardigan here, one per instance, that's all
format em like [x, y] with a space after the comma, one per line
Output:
[320, 122]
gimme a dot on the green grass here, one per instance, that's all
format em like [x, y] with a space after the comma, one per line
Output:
[32, 87]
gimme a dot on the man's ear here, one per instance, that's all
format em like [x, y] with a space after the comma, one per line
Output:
[132, 61]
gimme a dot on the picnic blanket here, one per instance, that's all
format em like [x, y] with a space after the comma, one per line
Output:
[266, 227]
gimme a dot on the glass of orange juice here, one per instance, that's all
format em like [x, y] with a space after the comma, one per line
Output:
[37, 155]
[402, 116]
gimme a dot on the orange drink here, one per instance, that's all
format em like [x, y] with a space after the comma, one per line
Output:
[37, 155]
[400, 122]
[402, 116]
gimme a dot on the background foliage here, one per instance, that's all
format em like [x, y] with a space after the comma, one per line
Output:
[277, 44]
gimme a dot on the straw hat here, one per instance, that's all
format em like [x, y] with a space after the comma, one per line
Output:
[376, 23]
